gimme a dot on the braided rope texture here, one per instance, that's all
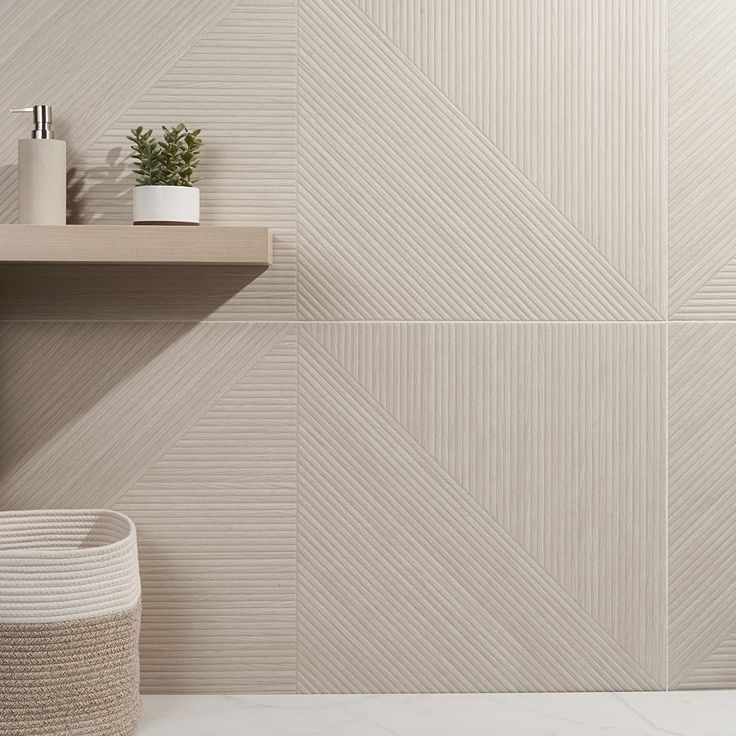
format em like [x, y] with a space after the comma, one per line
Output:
[69, 661]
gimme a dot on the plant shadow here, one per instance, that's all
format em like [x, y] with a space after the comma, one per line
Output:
[99, 194]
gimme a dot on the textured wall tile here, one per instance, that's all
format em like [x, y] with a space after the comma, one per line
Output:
[702, 160]
[90, 59]
[481, 506]
[573, 92]
[476, 500]
[192, 431]
[236, 79]
[407, 210]
[702, 505]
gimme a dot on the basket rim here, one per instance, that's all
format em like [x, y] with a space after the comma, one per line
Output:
[67, 515]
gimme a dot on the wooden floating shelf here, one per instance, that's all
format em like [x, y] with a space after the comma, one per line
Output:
[174, 244]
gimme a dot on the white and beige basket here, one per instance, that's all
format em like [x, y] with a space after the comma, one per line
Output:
[69, 623]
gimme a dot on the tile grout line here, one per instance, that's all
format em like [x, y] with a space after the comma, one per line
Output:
[297, 249]
[298, 372]
[667, 508]
[298, 514]
[359, 321]
[667, 350]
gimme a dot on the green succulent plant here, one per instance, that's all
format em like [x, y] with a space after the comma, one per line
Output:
[169, 162]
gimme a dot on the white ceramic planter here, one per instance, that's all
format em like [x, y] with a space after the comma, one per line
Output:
[163, 205]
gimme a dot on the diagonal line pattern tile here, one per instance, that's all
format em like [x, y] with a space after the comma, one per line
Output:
[702, 473]
[110, 441]
[219, 575]
[78, 57]
[190, 429]
[702, 160]
[541, 80]
[408, 212]
[375, 594]
[716, 670]
[238, 83]
[556, 430]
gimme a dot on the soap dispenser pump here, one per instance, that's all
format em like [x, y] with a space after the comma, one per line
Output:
[41, 172]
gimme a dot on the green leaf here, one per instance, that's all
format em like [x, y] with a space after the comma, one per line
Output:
[171, 160]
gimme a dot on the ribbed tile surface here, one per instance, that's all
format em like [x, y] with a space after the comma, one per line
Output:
[475, 499]
[191, 430]
[556, 89]
[482, 506]
[90, 60]
[220, 571]
[125, 391]
[408, 211]
[702, 505]
[236, 79]
[717, 670]
[702, 160]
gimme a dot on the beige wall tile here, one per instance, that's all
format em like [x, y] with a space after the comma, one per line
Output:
[702, 474]
[702, 160]
[90, 61]
[481, 504]
[190, 429]
[414, 206]
[482, 507]
[541, 79]
[235, 77]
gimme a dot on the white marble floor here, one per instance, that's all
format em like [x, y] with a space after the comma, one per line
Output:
[711, 713]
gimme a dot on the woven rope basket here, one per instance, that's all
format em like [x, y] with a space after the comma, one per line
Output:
[69, 623]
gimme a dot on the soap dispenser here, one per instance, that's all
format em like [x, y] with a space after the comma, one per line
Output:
[41, 172]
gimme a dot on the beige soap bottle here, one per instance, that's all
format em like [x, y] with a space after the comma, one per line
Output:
[41, 172]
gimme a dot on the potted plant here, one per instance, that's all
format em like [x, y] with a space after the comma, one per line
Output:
[164, 193]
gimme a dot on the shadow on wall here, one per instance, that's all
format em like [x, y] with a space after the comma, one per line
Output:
[110, 182]
[86, 406]
[99, 184]
[8, 193]
[53, 373]
[119, 292]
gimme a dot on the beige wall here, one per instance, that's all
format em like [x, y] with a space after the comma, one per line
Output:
[427, 450]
